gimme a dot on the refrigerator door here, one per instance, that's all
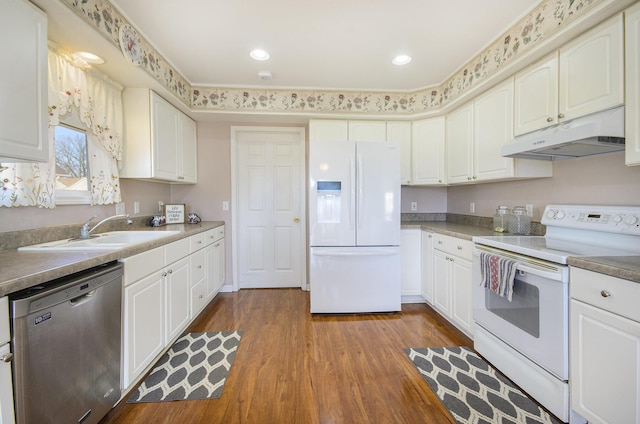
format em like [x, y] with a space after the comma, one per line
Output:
[355, 279]
[378, 194]
[332, 192]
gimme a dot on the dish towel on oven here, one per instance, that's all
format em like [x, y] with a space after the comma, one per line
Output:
[498, 274]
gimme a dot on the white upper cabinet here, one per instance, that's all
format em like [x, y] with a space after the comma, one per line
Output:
[585, 76]
[632, 109]
[160, 141]
[536, 96]
[23, 83]
[592, 71]
[459, 138]
[328, 129]
[367, 131]
[400, 132]
[428, 152]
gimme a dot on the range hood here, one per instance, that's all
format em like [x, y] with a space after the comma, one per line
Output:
[595, 134]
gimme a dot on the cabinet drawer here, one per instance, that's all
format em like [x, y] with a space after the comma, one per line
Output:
[142, 264]
[214, 235]
[197, 242]
[603, 291]
[198, 298]
[176, 250]
[197, 266]
[453, 246]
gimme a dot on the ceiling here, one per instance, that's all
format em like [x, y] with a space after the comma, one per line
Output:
[329, 44]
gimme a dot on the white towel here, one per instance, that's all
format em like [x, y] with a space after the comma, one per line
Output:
[498, 274]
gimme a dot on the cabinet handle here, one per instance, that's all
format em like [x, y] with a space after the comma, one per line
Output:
[181, 178]
[549, 119]
[170, 271]
[200, 297]
[429, 236]
[561, 115]
[199, 241]
[216, 245]
[440, 181]
[468, 178]
[439, 241]
[605, 293]
[164, 274]
[199, 266]
[7, 358]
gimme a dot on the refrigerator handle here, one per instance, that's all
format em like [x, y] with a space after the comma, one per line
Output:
[360, 191]
[352, 197]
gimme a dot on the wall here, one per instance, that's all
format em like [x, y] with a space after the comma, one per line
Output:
[26, 218]
[602, 179]
[429, 199]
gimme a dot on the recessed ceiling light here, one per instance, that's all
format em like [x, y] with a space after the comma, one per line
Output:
[259, 54]
[402, 59]
[89, 58]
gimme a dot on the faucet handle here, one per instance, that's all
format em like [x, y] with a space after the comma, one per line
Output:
[88, 221]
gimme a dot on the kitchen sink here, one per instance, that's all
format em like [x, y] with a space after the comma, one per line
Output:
[112, 240]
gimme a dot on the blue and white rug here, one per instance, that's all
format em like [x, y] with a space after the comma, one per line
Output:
[472, 391]
[195, 367]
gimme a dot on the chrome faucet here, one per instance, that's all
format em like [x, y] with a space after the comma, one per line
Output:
[85, 230]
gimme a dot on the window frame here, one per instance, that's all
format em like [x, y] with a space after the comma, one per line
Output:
[74, 197]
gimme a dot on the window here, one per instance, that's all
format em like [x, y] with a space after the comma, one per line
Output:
[72, 166]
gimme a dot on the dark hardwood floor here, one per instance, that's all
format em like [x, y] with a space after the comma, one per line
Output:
[294, 367]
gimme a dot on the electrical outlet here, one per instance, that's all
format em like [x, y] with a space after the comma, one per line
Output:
[160, 206]
[529, 208]
[225, 206]
[136, 207]
[120, 209]
[472, 207]
[414, 206]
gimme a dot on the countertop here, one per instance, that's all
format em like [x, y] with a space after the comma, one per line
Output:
[625, 267]
[23, 269]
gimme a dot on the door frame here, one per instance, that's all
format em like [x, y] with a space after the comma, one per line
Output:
[300, 131]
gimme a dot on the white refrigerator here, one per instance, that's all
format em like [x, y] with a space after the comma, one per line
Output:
[354, 227]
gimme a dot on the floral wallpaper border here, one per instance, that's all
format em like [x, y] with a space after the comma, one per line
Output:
[544, 20]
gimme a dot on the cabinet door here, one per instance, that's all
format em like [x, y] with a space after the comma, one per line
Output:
[198, 282]
[427, 266]
[367, 131]
[411, 255]
[6, 388]
[605, 365]
[178, 298]
[144, 325]
[461, 297]
[632, 105]
[210, 261]
[592, 71]
[536, 96]
[400, 132]
[23, 83]
[493, 128]
[328, 130]
[428, 152]
[164, 135]
[441, 289]
[188, 150]
[460, 145]
[219, 266]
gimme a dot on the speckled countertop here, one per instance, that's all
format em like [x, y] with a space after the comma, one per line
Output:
[625, 267]
[23, 269]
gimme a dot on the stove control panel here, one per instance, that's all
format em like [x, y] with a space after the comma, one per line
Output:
[611, 219]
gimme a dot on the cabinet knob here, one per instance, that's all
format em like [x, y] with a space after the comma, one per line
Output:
[549, 119]
[605, 293]
[440, 181]
[199, 241]
[439, 241]
[170, 271]
[164, 274]
[7, 358]
[201, 296]
[199, 266]
[468, 178]
[296, 219]
[181, 178]
[561, 115]
[459, 247]
[474, 177]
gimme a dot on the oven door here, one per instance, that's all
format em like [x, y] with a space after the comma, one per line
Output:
[535, 322]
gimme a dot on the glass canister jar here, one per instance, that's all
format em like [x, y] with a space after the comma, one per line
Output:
[519, 222]
[501, 219]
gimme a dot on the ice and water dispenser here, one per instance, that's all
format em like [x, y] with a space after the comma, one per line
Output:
[329, 201]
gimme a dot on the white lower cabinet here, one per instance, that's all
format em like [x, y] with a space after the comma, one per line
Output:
[164, 290]
[411, 255]
[452, 292]
[427, 266]
[604, 351]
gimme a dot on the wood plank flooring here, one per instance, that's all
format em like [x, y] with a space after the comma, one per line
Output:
[294, 367]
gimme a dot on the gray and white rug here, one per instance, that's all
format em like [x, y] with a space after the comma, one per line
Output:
[472, 390]
[195, 367]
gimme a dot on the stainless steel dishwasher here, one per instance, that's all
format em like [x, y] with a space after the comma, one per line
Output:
[66, 344]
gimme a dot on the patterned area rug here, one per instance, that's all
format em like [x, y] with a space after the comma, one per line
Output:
[195, 367]
[472, 390]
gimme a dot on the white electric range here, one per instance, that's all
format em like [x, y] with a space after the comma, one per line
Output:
[527, 338]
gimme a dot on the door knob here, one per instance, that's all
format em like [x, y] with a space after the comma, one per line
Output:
[296, 219]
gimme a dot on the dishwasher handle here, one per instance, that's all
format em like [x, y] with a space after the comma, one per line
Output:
[83, 298]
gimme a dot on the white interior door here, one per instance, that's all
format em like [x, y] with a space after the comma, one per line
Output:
[269, 217]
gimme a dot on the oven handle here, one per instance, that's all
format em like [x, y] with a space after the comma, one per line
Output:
[525, 264]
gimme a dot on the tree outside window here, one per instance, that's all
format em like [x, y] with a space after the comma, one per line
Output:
[72, 164]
